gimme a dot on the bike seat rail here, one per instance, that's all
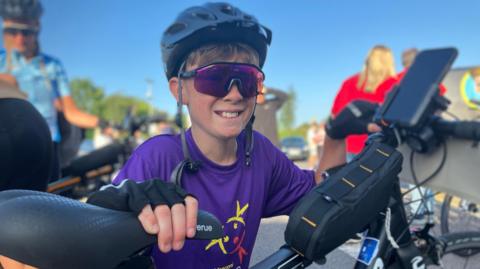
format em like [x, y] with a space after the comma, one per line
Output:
[88, 237]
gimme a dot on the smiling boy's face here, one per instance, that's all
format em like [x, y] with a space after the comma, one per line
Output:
[221, 118]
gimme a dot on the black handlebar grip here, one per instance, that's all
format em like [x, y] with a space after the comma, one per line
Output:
[460, 129]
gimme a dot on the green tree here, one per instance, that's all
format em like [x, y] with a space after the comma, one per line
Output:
[287, 112]
[116, 106]
[88, 97]
[92, 99]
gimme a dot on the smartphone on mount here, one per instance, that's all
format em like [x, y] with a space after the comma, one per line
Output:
[411, 102]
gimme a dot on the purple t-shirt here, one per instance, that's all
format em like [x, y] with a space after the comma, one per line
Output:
[239, 196]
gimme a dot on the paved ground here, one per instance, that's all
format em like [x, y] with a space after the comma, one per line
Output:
[270, 238]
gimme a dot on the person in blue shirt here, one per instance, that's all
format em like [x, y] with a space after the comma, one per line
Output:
[40, 76]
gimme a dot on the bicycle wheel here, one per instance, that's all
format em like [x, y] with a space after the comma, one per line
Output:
[464, 244]
[420, 210]
[458, 215]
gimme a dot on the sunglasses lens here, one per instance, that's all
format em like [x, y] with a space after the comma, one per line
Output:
[10, 31]
[215, 79]
[251, 78]
[15, 31]
[212, 80]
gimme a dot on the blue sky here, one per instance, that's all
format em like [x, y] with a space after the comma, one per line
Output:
[316, 44]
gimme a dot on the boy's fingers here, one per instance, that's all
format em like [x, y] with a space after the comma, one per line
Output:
[178, 223]
[191, 207]
[165, 234]
[148, 220]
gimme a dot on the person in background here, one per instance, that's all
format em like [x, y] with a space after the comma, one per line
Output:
[269, 101]
[378, 66]
[313, 141]
[408, 57]
[320, 138]
[40, 76]
[104, 136]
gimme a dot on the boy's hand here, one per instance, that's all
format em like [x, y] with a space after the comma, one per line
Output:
[163, 208]
[171, 225]
[355, 118]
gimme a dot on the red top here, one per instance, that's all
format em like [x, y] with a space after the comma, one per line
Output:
[349, 92]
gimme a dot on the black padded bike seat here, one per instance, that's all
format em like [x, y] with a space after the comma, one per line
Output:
[51, 231]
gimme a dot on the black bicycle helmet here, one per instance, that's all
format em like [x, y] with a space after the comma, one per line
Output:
[21, 9]
[211, 22]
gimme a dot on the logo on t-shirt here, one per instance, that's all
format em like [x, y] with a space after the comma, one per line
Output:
[231, 243]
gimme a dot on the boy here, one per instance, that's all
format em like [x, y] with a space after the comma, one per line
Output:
[212, 55]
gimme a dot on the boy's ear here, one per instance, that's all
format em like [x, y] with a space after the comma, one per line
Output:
[173, 85]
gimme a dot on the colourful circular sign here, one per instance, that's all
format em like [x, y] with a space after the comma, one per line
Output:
[470, 91]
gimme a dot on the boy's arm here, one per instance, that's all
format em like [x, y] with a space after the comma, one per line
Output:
[334, 154]
[354, 119]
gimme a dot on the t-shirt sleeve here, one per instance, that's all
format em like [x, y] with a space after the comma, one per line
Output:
[287, 185]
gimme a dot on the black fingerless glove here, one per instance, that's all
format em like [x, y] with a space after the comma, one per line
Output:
[353, 119]
[133, 196]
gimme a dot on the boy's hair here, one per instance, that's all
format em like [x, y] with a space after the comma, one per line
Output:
[222, 52]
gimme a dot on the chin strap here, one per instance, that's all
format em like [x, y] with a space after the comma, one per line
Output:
[249, 140]
[190, 165]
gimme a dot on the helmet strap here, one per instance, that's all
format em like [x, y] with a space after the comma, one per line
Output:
[188, 164]
[249, 137]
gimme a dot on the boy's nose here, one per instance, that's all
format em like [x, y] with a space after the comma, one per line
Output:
[234, 90]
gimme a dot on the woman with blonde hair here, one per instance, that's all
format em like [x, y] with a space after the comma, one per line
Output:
[378, 66]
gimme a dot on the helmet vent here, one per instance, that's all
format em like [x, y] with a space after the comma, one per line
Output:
[175, 28]
[227, 9]
[204, 16]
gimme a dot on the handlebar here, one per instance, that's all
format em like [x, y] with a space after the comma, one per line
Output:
[460, 129]
[285, 257]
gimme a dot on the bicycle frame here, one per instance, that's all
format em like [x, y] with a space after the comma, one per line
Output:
[377, 251]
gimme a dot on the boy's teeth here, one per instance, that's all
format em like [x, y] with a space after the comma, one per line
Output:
[229, 114]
